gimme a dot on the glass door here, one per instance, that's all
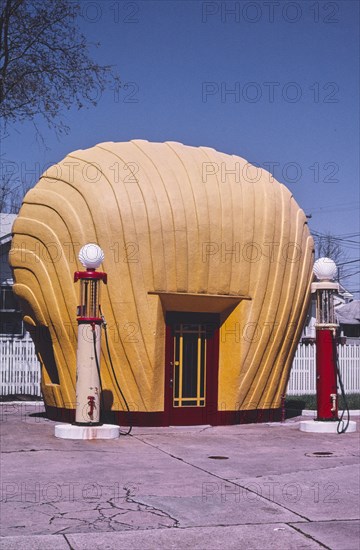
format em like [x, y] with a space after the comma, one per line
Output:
[192, 369]
[189, 360]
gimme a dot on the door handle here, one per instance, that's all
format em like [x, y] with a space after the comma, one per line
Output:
[171, 382]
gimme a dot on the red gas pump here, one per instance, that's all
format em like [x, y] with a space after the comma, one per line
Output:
[88, 385]
[325, 271]
[327, 374]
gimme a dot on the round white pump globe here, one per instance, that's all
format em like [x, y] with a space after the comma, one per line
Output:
[91, 256]
[325, 269]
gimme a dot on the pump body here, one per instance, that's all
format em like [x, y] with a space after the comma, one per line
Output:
[88, 385]
[326, 375]
[326, 369]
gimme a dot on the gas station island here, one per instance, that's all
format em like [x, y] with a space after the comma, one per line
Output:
[204, 263]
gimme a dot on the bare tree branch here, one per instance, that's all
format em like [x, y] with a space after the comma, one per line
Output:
[45, 65]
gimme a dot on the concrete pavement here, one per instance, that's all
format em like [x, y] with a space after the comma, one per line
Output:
[264, 486]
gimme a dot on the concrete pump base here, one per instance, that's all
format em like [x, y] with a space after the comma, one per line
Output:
[70, 431]
[318, 426]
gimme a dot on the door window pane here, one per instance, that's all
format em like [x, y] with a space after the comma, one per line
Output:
[189, 365]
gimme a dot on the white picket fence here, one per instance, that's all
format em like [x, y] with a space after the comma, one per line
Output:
[303, 371]
[20, 369]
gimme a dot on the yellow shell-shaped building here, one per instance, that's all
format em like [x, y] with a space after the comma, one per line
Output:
[209, 264]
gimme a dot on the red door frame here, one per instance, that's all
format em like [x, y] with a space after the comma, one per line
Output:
[188, 416]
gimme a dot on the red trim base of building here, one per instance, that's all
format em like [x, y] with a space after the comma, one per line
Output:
[147, 419]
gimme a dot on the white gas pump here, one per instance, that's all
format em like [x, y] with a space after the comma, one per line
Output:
[88, 376]
[88, 381]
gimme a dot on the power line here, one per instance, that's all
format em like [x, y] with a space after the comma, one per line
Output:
[328, 233]
[349, 262]
[350, 275]
[320, 235]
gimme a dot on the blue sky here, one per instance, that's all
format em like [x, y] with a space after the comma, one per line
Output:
[276, 82]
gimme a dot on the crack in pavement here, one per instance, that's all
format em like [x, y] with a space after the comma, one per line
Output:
[298, 530]
[118, 513]
[66, 540]
[223, 479]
